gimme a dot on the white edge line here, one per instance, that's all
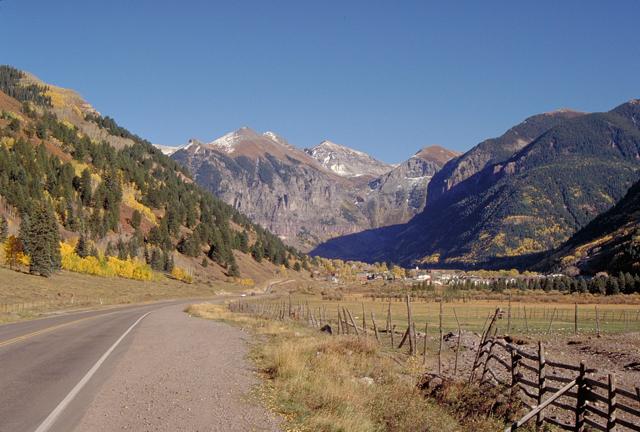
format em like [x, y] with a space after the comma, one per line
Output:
[51, 418]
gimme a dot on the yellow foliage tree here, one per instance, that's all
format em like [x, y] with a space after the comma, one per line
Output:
[181, 275]
[14, 253]
[101, 266]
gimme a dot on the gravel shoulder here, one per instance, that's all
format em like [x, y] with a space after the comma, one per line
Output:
[180, 374]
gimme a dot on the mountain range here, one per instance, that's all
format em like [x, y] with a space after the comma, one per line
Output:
[307, 196]
[513, 197]
[558, 192]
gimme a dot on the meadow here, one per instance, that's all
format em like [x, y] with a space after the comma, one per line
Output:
[518, 317]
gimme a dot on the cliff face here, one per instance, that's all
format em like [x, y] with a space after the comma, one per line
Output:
[302, 199]
[399, 195]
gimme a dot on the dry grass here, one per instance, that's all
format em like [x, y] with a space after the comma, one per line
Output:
[340, 383]
[614, 318]
[24, 296]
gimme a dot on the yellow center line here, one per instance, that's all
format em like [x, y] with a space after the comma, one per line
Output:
[49, 329]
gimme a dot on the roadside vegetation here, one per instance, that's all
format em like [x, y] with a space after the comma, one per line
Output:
[328, 383]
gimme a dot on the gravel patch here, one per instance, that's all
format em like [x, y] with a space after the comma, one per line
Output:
[180, 374]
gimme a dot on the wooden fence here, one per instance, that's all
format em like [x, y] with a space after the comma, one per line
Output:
[563, 395]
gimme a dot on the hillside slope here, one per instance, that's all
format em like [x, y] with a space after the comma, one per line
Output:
[529, 203]
[494, 150]
[611, 242]
[114, 191]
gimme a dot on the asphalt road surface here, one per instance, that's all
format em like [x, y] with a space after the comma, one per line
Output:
[140, 368]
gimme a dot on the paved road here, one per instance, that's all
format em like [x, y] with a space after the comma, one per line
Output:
[42, 363]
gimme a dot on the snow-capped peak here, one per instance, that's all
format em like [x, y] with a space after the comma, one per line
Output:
[347, 162]
[167, 150]
[276, 138]
[227, 142]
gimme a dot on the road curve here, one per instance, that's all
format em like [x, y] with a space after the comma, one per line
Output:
[43, 360]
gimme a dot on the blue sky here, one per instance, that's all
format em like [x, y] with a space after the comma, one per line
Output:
[380, 76]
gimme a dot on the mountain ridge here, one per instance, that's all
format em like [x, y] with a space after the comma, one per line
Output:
[298, 195]
[525, 204]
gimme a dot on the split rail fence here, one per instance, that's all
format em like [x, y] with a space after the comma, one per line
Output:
[563, 395]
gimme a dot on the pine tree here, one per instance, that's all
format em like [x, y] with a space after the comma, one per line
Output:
[157, 261]
[168, 262]
[243, 242]
[85, 187]
[147, 256]
[123, 254]
[136, 218]
[82, 248]
[23, 233]
[4, 228]
[44, 242]
[234, 271]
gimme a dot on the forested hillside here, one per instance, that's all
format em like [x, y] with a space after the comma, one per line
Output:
[526, 204]
[610, 243]
[127, 201]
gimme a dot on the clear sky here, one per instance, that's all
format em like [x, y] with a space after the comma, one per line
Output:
[386, 77]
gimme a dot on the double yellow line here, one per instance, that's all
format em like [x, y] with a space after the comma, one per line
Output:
[48, 329]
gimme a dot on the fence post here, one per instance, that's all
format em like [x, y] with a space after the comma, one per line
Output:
[551, 321]
[509, 316]
[375, 327]
[515, 365]
[455, 367]
[542, 386]
[581, 402]
[612, 404]
[597, 322]
[424, 348]
[409, 320]
[353, 323]
[389, 318]
[575, 319]
[393, 330]
[440, 341]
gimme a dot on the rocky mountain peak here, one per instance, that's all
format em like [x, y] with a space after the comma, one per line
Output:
[347, 162]
[436, 154]
[277, 138]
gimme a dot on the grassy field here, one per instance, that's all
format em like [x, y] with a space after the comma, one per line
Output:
[540, 317]
[24, 296]
[343, 383]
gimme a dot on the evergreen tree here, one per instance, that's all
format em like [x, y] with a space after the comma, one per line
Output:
[82, 248]
[123, 253]
[243, 242]
[168, 262]
[612, 286]
[109, 250]
[85, 187]
[234, 271]
[136, 218]
[23, 233]
[147, 255]
[44, 242]
[157, 261]
[4, 228]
